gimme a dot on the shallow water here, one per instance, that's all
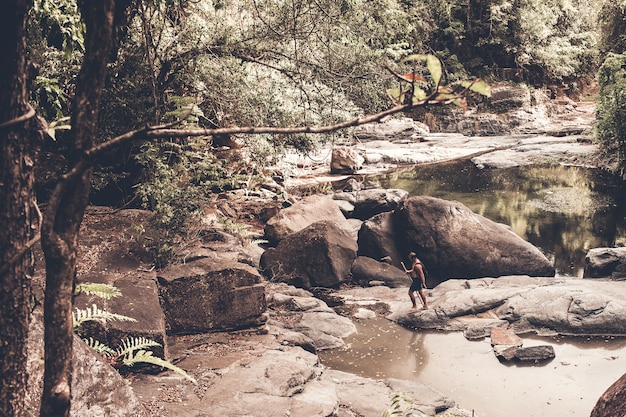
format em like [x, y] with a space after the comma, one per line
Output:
[564, 211]
[470, 374]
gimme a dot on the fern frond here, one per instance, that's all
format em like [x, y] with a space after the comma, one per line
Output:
[131, 344]
[105, 291]
[95, 314]
[100, 347]
[258, 242]
[146, 356]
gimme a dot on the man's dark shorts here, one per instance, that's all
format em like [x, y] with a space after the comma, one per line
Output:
[416, 285]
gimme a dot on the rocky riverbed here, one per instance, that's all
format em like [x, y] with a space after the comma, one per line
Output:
[272, 368]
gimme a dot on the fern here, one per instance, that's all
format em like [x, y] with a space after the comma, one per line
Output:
[130, 345]
[95, 314]
[100, 347]
[258, 242]
[146, 356]
[104, 291]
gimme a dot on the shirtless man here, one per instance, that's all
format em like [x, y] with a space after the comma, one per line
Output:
[418, 280]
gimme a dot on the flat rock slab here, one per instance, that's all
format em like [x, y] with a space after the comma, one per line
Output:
[500, 336]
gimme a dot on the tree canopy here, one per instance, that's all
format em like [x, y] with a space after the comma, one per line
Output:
[141, 90]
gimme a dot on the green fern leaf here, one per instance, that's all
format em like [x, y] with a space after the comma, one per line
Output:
[95, 314]
[129, 345]
[146, 356]
[100, 347]
[105, 291]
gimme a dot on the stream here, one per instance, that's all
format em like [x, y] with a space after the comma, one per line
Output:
[470, 374]
[564, 211]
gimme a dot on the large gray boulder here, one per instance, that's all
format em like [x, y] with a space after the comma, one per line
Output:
[302, 214]
[457, 243]
[370, 202]
[366, 270]
[377, 239]
[318, 256]
[98, 390]
[605, 263]
[571, 307]
[202, 296]
[139, 300]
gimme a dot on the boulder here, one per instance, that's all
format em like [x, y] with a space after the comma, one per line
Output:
[365, 270]
[457, 243]
[403, 128]
[202, 296]
[545, 306]
[318, 256]
[371, 202]
[302, 214]
[613, 401]
[345, 160]
[97, 389]
[376, 239]
[605, 263]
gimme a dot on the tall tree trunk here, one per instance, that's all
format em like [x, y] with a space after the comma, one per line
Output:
[18, 213]
[66, 208]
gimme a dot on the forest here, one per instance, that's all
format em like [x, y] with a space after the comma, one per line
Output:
[125, 102]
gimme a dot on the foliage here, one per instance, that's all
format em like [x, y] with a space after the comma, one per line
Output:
[611, 109]
[104, 291]
[551, 40]
[131, 351]
[94, 313]
[61, 24]
[402, 406]
[612, 18]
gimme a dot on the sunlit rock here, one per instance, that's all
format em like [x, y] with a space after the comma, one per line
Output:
[318, 256]
[302, 214]
[457, 243]
[203, 295]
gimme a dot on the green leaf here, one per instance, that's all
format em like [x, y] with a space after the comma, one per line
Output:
[481, 87]
[100, 347]
[434, 66]
[146, 356]
[419, 94]
[416, 57]
[396, 95]
[105, 291]
[95, 314]
[129, 345]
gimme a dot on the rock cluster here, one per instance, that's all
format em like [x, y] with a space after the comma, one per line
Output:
[451, 240]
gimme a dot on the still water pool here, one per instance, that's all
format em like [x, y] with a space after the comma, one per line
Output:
[469, 373]
[564, 211]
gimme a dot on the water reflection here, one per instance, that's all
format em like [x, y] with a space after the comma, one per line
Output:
[380, 349]
[564, 211]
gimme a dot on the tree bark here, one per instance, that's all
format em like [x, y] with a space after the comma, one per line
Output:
[66, 208]
[19, 142]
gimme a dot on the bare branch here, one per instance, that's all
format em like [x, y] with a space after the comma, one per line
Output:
[251, 130]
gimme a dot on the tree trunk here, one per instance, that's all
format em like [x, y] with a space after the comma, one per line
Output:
[18, 211]
[66, 208]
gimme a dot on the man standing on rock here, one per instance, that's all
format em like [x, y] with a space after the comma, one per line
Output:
[418, 280]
